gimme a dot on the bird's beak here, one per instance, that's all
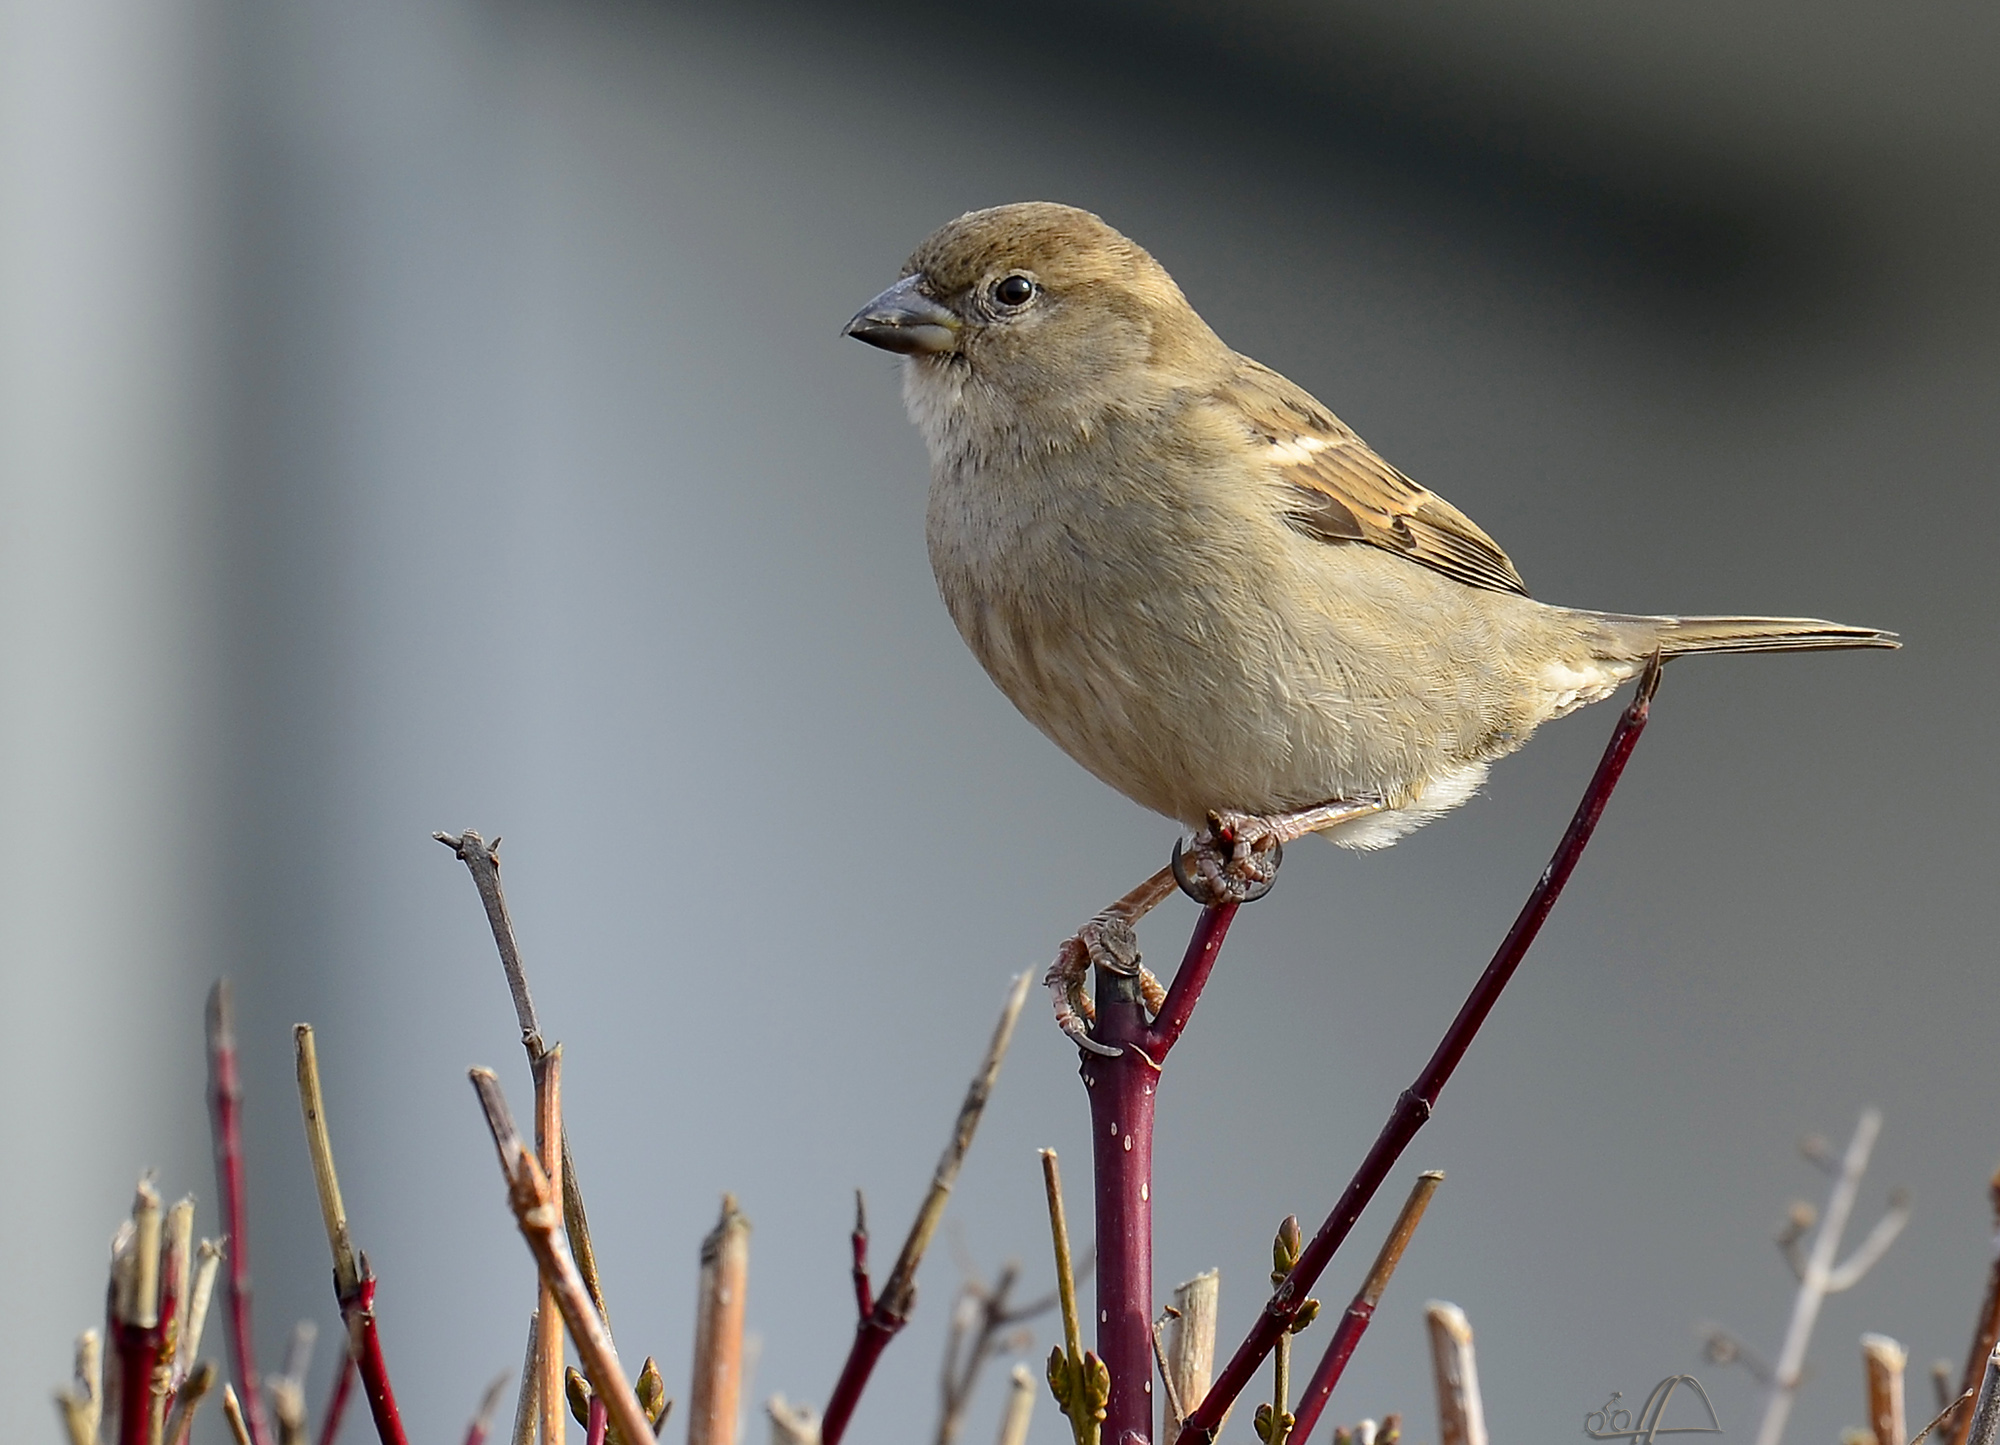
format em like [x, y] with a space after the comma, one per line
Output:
[905, 321]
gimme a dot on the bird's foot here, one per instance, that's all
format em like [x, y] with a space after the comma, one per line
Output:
[1235, 858]
[1109, 942]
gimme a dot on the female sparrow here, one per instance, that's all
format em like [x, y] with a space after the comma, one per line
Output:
[1201, 583]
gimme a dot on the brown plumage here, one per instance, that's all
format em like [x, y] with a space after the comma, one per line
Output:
[1194, 577]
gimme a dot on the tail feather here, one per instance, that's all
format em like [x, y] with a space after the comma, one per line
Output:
[1638, 637]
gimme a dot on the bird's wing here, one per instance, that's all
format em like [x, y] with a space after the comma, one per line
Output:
[1345, 493]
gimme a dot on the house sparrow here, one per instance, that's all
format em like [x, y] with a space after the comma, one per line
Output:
[1201, 583]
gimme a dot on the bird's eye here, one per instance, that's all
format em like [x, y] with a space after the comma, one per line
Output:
[1014, 291]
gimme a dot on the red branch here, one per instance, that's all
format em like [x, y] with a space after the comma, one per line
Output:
[225, 1110]
[336, 1406]
[357, 1312]
[599, 1423]
[1122, 1095]
[1416, 1103]
[138, 1356]
[864, 1289]
[1354, 1324]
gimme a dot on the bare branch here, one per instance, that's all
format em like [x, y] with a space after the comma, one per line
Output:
[1986, 1331]
[1020, 1406]
[319, 1144]
[1985, 1427]
[482, 861]
[1871, 1249]
[1190, 1351]
[899, 1291]
[718, 1331]
[526, 1403]
[226, 1126]
[1361, 1310]
[82, 1404]
[548, 1131]
[353, 1281]
[1883, 1359]
[1789, 1369]
[1461, 1415]
[232, 1411]
[538, 1210]
[792, 1424]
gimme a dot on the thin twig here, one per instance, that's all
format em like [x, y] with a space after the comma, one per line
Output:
[1414, 1108]
[482, 861]
[177, 1271]
[548, 1345]
[1361, 1310]
[331, 1418]
[1985, 1427]
[1065, 1274]
[538, 1210]
[232, 1411]
[526, 1403]
[353, 1281]
[82, 1404]
[135, 1322]
[1077, 1378]
[1020, 1407]
[1820, 1277]
[980, 1328]
[187, 1399]
[1461, 1415]
[1986, 1331]
[1883, 1359]
[489, 1404]
[1176, 1406]
[288, 1386]
[864, 1289]
[718, 1330]
[226, 1125]
[1938, 1419]
[891, 1307]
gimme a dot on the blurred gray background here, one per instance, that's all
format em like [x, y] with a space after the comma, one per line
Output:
[425, 413]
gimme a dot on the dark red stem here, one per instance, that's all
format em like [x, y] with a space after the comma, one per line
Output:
[1189, 980]
[138, 1356]
[600, 1422]
[226, 1115]
[871, 1336]
[336, 1405]
[1414, 1107]
[1346, 1335]
[1122, 1096]
[357, 1312]
[864, 1289]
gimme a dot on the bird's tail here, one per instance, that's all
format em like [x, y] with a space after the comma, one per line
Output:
[1640, 637]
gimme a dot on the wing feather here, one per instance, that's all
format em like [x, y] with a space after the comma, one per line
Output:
[1345, 493]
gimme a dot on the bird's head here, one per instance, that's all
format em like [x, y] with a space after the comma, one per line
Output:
[1035, 321]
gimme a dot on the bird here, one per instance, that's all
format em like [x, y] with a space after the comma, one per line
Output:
[1198, 581]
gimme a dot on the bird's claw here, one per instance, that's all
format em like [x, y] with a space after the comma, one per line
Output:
[1109, 943]
[1234, 859]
